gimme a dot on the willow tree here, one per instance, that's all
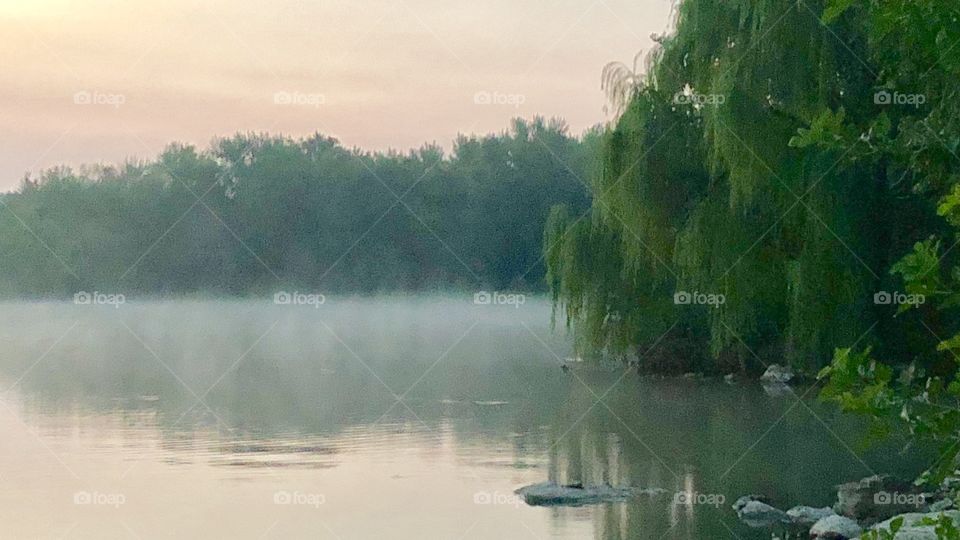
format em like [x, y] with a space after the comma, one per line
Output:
[708, 186]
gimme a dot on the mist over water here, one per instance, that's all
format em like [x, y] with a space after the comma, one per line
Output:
[254, 420]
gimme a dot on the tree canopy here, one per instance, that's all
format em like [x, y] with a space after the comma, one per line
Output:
[255, 213]
[759, 162]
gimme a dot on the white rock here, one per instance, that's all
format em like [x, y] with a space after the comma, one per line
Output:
[742, 501]
[553, 494]
[776, 373]
[808, 515]
[759, 514]
[835, 527]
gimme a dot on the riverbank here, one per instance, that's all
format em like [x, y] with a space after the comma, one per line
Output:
[879, 506]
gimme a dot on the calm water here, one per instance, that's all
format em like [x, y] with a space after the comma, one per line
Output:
[249, 420]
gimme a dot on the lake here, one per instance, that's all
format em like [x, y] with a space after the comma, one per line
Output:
[401, 418]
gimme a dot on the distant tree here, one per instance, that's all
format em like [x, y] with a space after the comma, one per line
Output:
[256, 213]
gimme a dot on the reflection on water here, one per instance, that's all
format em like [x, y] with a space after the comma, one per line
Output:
[399, 418]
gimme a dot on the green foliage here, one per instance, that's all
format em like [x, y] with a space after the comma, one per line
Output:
[836, 8]
[744, 192]
[256, 213]
[884, 534]
[919, 270]
[943, 526]
[859, 382]
[946, 529]
[827, 130]
[916, 145]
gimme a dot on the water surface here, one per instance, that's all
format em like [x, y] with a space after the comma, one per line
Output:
[396, 418]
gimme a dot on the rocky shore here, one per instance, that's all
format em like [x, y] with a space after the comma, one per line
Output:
[874, 508]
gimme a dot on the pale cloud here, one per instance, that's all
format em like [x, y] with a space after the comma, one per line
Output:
[390, 73]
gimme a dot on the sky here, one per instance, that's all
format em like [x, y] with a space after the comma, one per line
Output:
[98, 81]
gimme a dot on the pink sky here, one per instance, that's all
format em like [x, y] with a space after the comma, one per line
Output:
[100, 81]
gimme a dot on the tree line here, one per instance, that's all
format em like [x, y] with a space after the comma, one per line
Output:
[257, 213]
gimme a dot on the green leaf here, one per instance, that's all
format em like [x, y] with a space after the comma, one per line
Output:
[951, 344]
[834, 9]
